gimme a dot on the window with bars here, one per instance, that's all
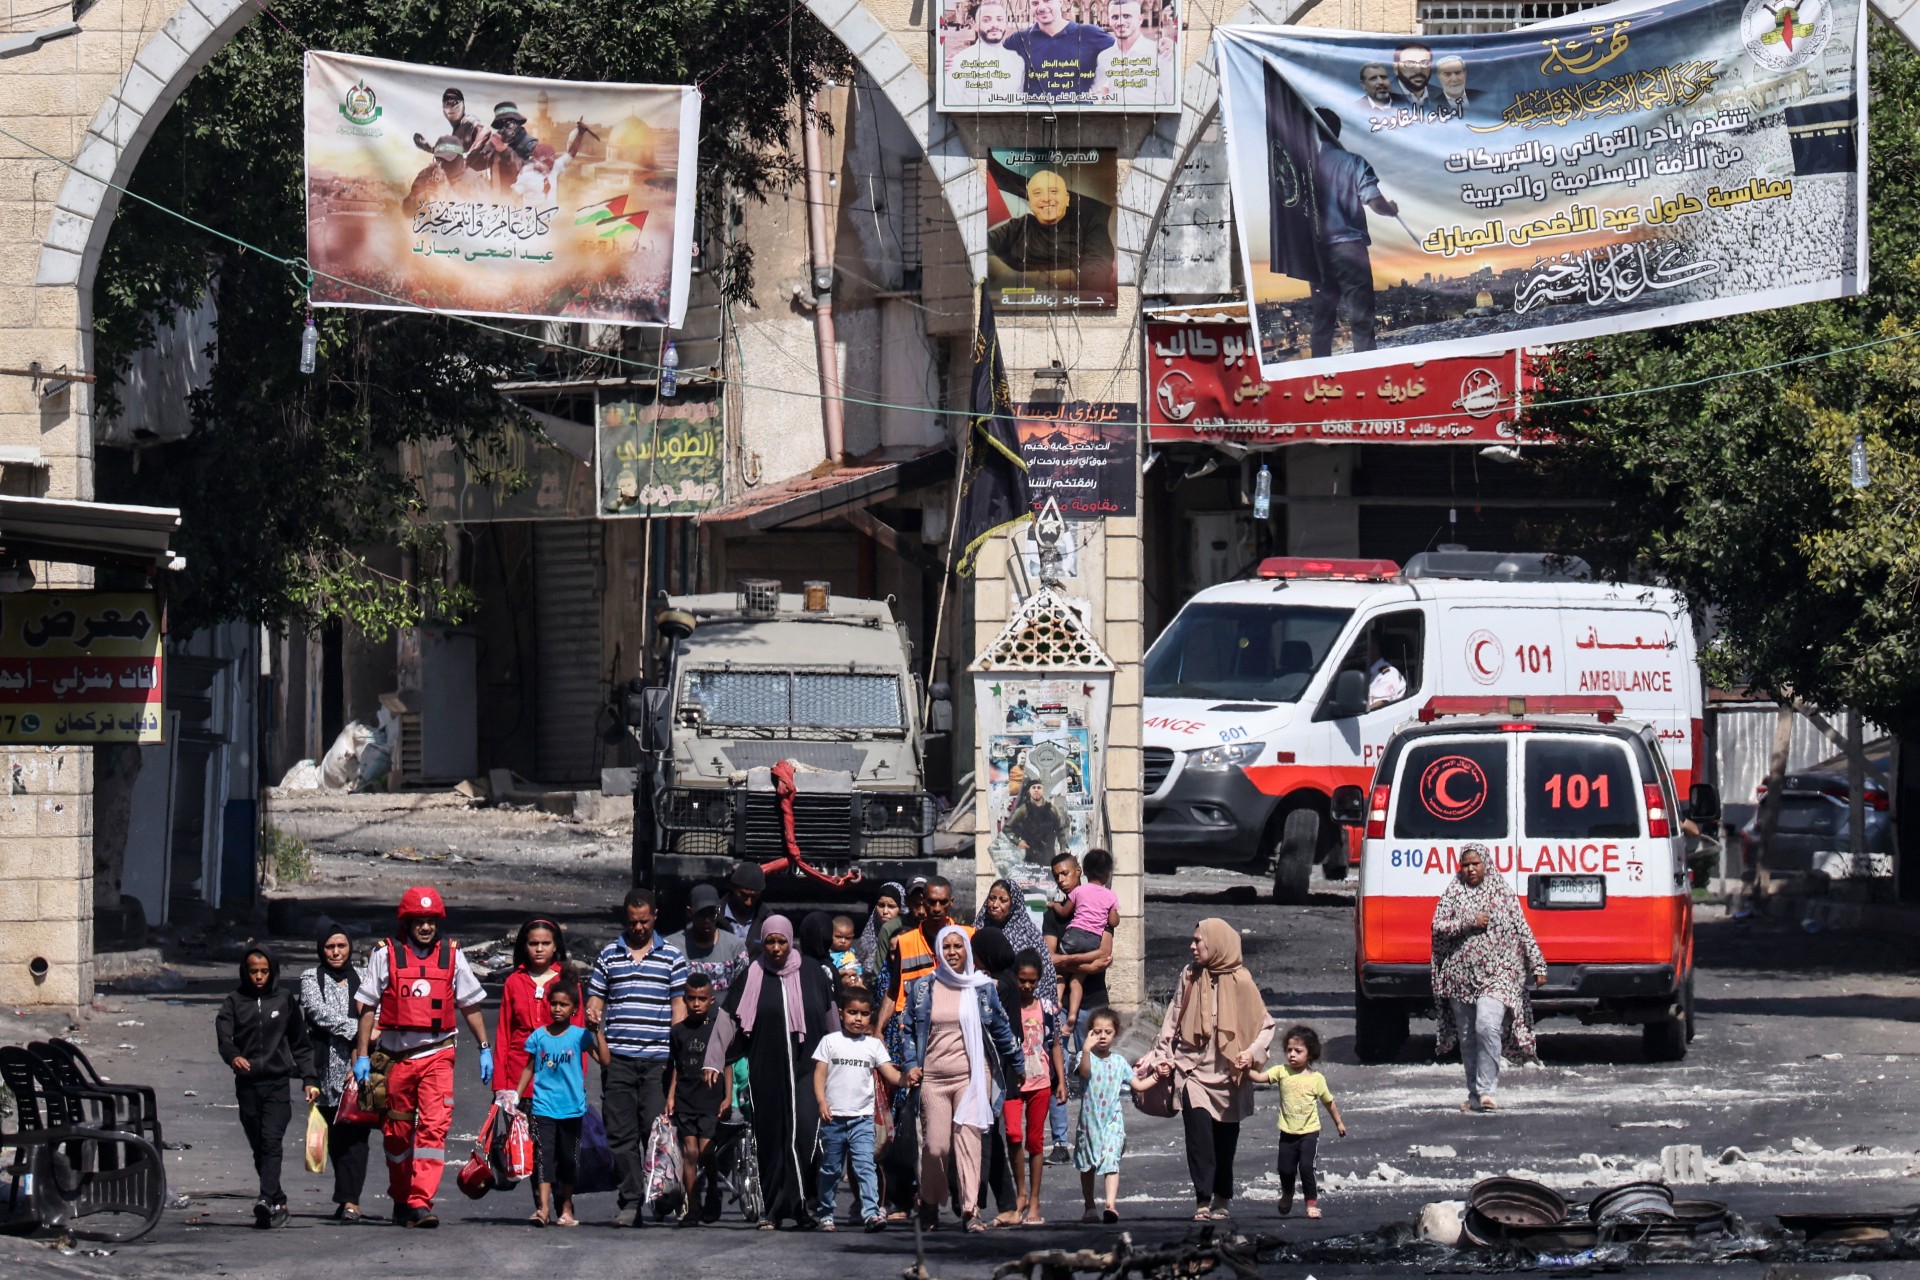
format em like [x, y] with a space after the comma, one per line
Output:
[1467, 18]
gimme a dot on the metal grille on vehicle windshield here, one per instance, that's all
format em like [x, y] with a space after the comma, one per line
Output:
[740, 697]
[838, 701]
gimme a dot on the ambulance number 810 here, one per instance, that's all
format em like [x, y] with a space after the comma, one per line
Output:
[1413, 858]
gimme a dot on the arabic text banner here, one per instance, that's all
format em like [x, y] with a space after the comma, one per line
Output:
[1206, 386]
[1629, 166]
[79, 667]
[659, 458]
[498, 195]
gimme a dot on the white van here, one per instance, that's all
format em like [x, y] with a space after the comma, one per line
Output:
[1264, 695]
[1580, 815]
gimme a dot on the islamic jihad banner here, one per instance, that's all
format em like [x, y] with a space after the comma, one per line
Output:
[1400, 199]
[497, 195]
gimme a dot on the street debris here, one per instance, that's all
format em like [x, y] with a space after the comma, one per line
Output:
[1432, 1153]
[1194, 1255]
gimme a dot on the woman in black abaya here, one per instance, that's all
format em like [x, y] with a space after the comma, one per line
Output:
[774, 1016]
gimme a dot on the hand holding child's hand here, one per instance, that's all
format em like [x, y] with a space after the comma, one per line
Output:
[1242, 1060]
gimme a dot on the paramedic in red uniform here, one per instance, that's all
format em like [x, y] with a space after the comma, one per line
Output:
[421, 987]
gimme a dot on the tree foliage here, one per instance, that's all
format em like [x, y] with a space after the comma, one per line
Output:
[1737, 491]
[289, 479]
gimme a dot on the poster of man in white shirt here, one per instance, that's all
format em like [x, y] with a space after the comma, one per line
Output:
[1025, 55]
[1138, 69]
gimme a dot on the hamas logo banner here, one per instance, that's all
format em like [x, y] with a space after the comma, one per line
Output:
[498, 195]
[1401, 199]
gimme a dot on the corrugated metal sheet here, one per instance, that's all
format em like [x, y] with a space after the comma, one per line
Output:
[1743, 739]
[567, 594]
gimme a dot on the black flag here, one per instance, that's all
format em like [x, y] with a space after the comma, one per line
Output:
[993, 484]
[1293, 182]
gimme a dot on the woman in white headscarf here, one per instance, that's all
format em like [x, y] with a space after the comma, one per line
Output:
[959, 1046]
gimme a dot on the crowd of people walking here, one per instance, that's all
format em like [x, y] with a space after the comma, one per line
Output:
[927, 1060]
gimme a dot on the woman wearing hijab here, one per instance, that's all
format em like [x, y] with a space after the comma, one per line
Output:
[326, 999]
[1483, 953]
[775, 1016]
[816, 940]
[1003, 910]
[1214, 1039]
[956, 1030]
[882, 923]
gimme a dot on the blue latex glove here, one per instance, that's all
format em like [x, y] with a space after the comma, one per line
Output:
[486, 1066]
[362, 1068]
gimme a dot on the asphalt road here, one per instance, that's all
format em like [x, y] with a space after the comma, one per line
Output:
[1799, 1092]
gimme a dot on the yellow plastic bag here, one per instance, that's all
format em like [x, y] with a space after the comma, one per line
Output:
[316, 1141]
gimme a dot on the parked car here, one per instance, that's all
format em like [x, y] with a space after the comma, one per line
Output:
[1814, 811]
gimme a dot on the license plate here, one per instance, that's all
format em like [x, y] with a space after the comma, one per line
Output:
[1574, 891]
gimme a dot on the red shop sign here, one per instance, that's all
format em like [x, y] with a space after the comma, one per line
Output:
[1203, 384]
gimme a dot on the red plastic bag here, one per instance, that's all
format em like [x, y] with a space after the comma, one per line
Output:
[351, 1111]
[519, 1153]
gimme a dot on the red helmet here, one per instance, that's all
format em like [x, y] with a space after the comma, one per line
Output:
[422, 900]
[475, 1178]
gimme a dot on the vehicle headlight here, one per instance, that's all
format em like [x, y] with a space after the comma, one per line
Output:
[1228, 756]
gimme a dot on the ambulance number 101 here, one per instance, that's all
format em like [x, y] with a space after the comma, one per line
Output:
[1534, 658]
[1577, 790]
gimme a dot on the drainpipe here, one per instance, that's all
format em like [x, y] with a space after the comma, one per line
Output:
[832, 411]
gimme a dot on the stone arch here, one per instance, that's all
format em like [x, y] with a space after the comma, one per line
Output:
[1143, 197]
[198, 29]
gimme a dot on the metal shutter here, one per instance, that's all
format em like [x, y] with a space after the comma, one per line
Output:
[567, 594]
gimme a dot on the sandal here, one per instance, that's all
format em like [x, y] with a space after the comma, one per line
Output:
[975, 1224]
[568, 1220]
[1487, 1104]
[1033, 1220]
[537, 1218]
[1469, 1106]
[1313, 1210]
[1203, 1214]
[1091, 1215]
[1011, 1218]
[1109, 1216]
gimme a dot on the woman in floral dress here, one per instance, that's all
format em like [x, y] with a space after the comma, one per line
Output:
[1483, 953]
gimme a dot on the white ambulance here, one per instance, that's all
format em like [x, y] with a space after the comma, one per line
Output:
[1264, 695]
[1580, 816]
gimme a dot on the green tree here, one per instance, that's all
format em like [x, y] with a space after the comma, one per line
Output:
[288, 479]
[1737, 490]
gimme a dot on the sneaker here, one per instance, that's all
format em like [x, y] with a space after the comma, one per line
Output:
[1313, 1208]
[1286, 1205]
[280, 1215]
[399, 1215]
[828, 1224]
[1059, 1154]
[262, 1214]
[424, 1220]
[629, 1216]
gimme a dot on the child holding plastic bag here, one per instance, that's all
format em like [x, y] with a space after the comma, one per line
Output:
[554, 1056]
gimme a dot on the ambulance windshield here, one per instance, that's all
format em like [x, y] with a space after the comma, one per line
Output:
[1244, 652]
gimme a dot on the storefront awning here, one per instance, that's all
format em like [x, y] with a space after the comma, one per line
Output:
[102, 534]
[818, 497]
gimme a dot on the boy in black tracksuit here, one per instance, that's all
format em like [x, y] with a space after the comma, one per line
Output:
[263, 1038]
[695, 1105]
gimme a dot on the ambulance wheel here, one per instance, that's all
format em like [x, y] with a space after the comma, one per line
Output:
[1379, 1028]
[1293, 860]
[1665, 1040]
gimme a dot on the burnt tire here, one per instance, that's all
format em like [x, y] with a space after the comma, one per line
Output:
[1665, 1040]
[1379, 1028]
[1293, 857]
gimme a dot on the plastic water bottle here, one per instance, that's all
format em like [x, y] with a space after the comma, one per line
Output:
[1859, 460]
[309, 347]
[1263, 493]
[669, 373]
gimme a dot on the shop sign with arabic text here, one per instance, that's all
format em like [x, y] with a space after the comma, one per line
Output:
[1203, 383]
[80, 667]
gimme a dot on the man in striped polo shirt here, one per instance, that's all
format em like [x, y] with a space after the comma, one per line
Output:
[636, 990]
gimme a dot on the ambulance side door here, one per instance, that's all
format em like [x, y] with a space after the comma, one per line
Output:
[1400, 638]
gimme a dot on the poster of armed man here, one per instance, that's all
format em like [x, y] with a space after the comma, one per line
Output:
[497, 195]
[1109, 56]
[1401, 198]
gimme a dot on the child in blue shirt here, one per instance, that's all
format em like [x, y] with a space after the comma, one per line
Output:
[555, 1053]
